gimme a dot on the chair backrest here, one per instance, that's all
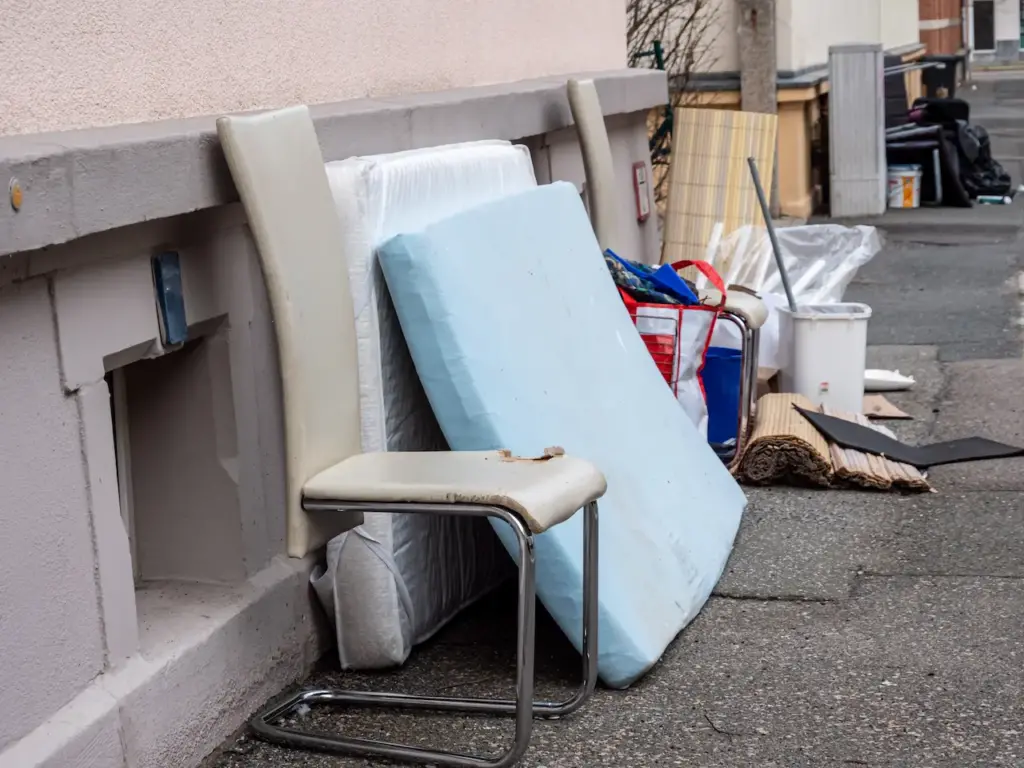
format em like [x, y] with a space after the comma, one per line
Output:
[278, 169]
[597, 163]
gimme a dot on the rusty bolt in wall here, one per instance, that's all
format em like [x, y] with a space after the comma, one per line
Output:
[14, 189]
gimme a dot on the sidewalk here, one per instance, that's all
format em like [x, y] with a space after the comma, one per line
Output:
[850, 629]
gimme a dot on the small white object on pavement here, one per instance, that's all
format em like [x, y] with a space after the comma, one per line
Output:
[876, 380]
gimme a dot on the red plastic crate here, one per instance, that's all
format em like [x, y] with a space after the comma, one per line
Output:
[661, 346]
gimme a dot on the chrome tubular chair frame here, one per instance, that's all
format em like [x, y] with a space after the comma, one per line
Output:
[264, 724]
[748, 379]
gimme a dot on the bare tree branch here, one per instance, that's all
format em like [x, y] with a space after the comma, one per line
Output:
[686, 30]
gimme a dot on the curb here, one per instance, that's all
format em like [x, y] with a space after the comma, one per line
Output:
[979, 224]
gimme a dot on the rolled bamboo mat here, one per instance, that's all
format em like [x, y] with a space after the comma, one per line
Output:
[709, 181]
[868, 470]
[784, 447]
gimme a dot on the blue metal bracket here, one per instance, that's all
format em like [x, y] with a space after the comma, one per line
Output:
[170, 300]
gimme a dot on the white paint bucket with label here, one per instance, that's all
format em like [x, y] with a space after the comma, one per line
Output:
[823, 353]
[905, 186]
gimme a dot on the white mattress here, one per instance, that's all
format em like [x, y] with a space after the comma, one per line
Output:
[397, 579]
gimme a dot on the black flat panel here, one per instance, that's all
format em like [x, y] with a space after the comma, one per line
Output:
[984, 25]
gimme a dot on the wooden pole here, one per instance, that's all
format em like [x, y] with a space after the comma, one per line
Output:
[759, 70]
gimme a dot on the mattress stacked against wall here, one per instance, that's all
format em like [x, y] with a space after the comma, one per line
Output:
[395, 580]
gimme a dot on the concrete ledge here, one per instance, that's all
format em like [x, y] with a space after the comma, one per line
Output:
[80, 182]
[193, 684]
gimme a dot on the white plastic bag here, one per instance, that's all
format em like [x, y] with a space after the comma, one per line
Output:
[821, 259]
[692, 329]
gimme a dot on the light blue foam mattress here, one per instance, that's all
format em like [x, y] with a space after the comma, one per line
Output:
[522, 342]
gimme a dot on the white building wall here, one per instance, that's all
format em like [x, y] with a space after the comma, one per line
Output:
[806, 29]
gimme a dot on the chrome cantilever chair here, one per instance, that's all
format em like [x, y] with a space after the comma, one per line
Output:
[747, 311]
[279, 172]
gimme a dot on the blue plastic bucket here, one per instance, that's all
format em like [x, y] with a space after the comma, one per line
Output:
[721, 376]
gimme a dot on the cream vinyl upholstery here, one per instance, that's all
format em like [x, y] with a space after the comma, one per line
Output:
[598, 165]
[278, 169]
[544, 491]
[750, 308]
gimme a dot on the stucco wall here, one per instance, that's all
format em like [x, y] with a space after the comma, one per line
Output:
[102, 62]
[806, 28]
[50, 643]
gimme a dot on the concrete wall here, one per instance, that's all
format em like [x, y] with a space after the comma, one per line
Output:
[50, 641]
[806, 29]
[98, 669]
[103, 62]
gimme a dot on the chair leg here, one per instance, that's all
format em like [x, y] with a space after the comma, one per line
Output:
[522, 707]
[589, 645]
[748, 388]
[742, 412]
[755, 369]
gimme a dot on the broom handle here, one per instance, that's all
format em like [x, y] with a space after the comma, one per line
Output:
[771, 232]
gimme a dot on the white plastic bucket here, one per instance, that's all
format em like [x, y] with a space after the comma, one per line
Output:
[823, 350]
[904, 186]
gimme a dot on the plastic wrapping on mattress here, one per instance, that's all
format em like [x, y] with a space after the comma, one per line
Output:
[533, 347]
[397, 579]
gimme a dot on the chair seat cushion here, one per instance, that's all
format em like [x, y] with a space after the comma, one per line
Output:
[750, 308]
[544, 491]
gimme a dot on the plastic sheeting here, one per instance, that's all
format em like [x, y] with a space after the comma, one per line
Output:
[532, 347]
[821, 260]
[395, 580]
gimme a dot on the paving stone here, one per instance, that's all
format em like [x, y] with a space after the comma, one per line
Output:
[807, 544]
[955, 533]
[984, 399]
[921, 362]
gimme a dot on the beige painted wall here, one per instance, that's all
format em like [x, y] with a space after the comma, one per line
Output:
[807, 28]
[101, 62]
